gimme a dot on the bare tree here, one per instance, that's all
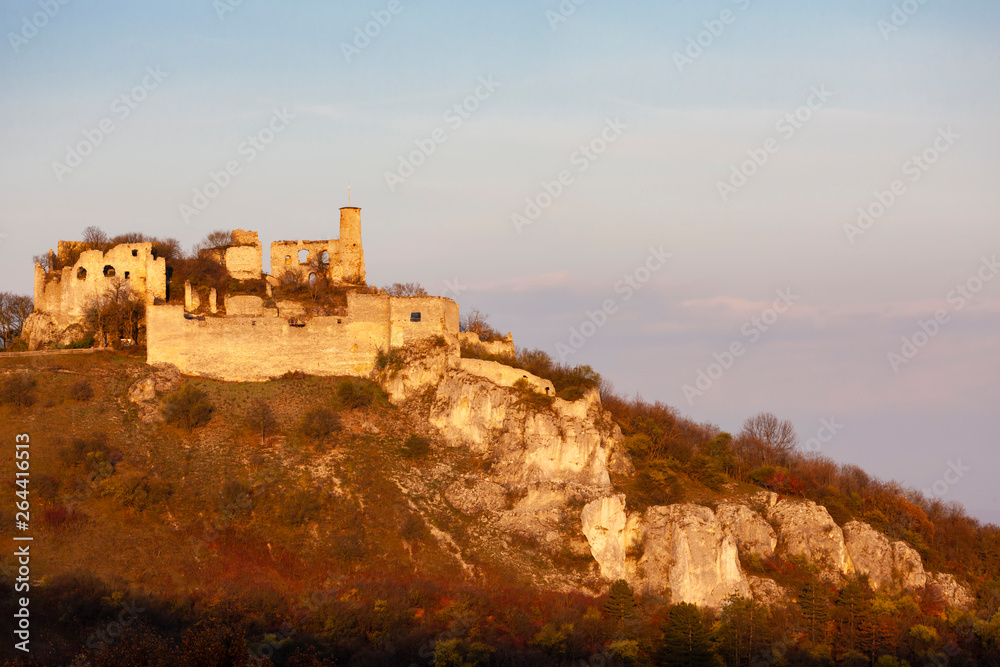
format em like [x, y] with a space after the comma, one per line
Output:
[405, 289]
[116, 313]
[765, 439]
[95, 236]
[14, 310]
[477, 322]
[260, 418]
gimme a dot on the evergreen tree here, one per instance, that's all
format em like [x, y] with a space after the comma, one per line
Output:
[815, 611]
[685, 639]
[620, 604]
[743, 634]
[854, 614]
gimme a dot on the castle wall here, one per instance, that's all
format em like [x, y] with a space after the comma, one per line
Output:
[66, 293]
[285, 257]
[244, 258]
[249, 348]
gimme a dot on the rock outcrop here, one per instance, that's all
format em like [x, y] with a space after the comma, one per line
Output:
[143, 393]
[767, 591]
[687, 555]
[751, 533]
[807, 529]
[889, 565]
[952, 593]
[604, 524]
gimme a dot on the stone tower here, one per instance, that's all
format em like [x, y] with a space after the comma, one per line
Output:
[352, 256]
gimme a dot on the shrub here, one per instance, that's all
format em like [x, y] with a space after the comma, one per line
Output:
[80, 449]
[188, 408]
[388, 363]
[319, 423]
[136, 490]
[353, 394]
[530, 399]
[300, 506]
[416, 446]
[236, 500]
[18, 390]
[81, 391]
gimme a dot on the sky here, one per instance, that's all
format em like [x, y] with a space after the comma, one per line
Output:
[731, 207]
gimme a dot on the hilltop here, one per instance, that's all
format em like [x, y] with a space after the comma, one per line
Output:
[433, 514]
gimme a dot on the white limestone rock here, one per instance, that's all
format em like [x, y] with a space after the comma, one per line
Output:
[807, 529]
[688, 556]
[889, 565]
[604, 522]
[767, 591]
[951, 591]
[751, 533]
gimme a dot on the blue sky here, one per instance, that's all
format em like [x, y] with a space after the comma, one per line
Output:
[888, 97]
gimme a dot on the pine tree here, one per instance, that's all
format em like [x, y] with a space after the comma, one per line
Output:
[620, 604]
[743, 634]
[685, 639]
[815, 611]
[854, 614]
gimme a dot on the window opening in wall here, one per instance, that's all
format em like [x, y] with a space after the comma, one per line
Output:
[126, 275]
[288, 260]
[414, 317]
[325, 257]
[109, 271]
[81, 273]
[135, 253]
[303, 256]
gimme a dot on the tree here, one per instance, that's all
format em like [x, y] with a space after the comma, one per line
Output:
[260, 418]
[477, 322]
[188, 408]
[853, 614]
[95, 237]
[764, 440]
[620, 604]
[14, 311]
[220, 238]
[116, 313]
[815, 609]
[405, 289]
[742, 634]
[685, 639]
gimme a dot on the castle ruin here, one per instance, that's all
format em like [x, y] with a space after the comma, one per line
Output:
[248, 336]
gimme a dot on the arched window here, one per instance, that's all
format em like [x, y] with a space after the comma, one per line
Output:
[81, 273]
[303, 256]
[325, 257]
[312, 280]
[288, 260]
[109, 271]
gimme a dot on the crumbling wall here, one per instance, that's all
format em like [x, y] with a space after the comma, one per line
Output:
[243, 259]
[64, 294]
[254, 345]
[285, 257]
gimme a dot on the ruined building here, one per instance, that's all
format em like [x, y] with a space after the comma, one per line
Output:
[247, 336]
